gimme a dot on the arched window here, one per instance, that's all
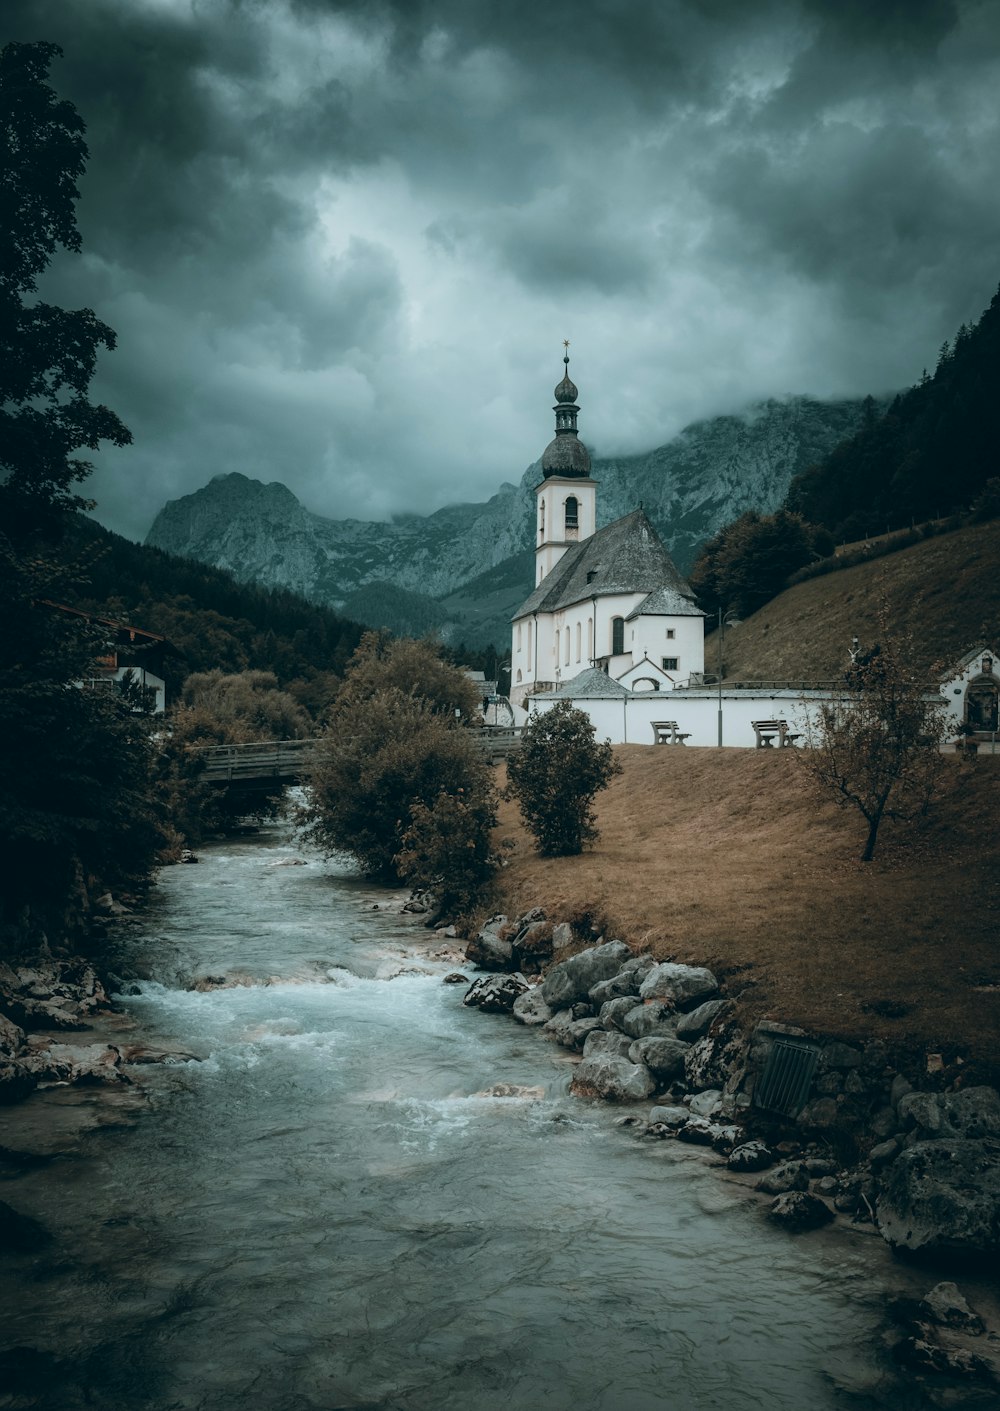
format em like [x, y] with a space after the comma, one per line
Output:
[519, 676]
[567, 646]
[529, 646]
[572, 512]
[518, 636]
[541, 519]
[617, 636]
[590, 638]
[579, 639]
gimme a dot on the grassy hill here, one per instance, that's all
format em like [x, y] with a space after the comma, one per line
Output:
[944, 591]
[728, 858]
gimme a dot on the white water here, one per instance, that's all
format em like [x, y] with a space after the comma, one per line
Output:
[322, 1214]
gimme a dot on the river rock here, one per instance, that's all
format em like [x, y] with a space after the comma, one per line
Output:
[883, 1153]
[513, 1090]
[750, 1156]
[695, 1024]
[575, 1035]
[15, 1082]
[797, 1211]
[562, 936]
[959, 1363]
[490, 947]
[12, 1038]
[663, 1056]
[495, 994]
[530, 1008]
[603, 1041]
[946, 1305]
[532, 945]
[455, 977]
[613, 1011]
[707, 1103]
[656, 1020]
[669, 1116]
[943, 1196]
[624, 983]
[789, 1176]
[683, 985]
[615, 1079]
[973, 1113]
[76, 1063]
[699, 1131]
[573, 979]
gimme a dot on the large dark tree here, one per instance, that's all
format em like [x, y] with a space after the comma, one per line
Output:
[74, 765]
[47, 354]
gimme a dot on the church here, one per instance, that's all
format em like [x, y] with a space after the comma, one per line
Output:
[607, 601]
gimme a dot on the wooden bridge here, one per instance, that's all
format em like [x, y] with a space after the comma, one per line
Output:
[289, 761]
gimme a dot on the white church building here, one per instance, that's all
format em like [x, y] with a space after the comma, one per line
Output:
[609, 598]
[612, 627]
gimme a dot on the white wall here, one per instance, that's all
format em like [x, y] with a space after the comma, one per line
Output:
[628, 720]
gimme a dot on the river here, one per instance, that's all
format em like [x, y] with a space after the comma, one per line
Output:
[321, 1213]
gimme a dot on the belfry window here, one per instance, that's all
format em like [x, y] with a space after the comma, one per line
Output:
[572, 512]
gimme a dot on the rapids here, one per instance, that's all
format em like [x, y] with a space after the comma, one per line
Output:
[322, 1213]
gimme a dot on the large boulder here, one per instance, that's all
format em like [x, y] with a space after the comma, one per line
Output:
[532, 946]
[943, 1196]
[972, 1113]
[798, 1211]
[12, 1038]
[575, 1035]
[683, 985]
[530, 1008]
[604, 1041]
[644, 1021]
[490, 947]
[573, 979]
[613, 1011]
[615, 1079]
[495, 994]
[626, 982]
[789, 1176]
[695, 1025]
[663, 1056]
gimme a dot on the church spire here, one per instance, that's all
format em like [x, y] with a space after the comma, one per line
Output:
[566, 455]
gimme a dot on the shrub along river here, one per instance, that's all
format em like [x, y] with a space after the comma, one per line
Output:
[322, 1213]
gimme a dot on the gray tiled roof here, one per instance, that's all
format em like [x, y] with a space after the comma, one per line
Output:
[624, 557]
[665, 602]
[592, 684]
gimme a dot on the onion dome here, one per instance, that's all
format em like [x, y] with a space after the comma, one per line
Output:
[566, 454]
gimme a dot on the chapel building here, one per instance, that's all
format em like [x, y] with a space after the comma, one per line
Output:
[608, 599]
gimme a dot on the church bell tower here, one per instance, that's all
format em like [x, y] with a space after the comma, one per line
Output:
[566, 498]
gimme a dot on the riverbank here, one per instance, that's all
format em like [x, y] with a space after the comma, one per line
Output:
[728, 859]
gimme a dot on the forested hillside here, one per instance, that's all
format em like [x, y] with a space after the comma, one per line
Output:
[930, 454]
[212, 621]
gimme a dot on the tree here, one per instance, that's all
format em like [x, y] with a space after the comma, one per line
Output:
[75, 767]
[877, 748]
[47, 354]
[393, 749]
[555, 776]
[749, 561]
[449, 845]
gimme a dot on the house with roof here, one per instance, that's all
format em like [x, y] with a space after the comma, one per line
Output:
[608, 599]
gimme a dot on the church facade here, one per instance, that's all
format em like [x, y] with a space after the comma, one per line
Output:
[610, 598]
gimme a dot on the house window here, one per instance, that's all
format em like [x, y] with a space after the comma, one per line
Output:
[670, 634]
[572, 512]
[669, 663]
[617, 636]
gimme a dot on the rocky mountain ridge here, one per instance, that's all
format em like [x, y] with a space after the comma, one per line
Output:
[463, 569]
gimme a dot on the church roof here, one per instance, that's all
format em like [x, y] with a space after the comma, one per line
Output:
[624, 557]
[665, 602]
[592, 684]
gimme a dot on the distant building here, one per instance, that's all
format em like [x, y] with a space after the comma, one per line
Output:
[129, 653]
[609, 598]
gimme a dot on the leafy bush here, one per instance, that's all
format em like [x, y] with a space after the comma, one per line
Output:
[448, 845]
[555, 776]
[393, 747]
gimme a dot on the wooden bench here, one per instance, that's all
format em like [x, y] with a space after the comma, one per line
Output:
[665, 732]
[767, 731]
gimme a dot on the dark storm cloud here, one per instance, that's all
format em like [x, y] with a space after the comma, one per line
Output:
[341, 242]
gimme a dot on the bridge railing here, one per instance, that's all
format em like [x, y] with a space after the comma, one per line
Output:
[291, 759]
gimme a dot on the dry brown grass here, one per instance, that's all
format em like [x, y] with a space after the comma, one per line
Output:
[728, 858]
[945, 592]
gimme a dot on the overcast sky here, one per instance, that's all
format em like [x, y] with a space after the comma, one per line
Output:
[341, 243]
